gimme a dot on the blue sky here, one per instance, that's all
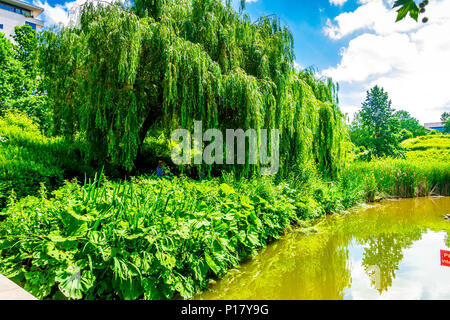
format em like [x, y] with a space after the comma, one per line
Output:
[358, 44]
[306, 20]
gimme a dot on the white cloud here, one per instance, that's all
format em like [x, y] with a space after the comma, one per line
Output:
[417, 278]
[58, 14]
[298, 66]
[371, 15]
[410, 60]
[371, 54]
[62, 14]
[338, 2]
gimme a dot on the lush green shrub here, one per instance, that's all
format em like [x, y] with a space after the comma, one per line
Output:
[147, 238]
[430, 148]
[29, 159]
[20, 78]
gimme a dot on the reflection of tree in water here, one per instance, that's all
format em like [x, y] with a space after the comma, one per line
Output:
[384, 254]
[298, 267]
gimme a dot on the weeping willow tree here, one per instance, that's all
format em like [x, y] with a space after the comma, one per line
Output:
[168, 63]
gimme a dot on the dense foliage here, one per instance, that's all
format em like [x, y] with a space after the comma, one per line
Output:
[167, 63]
[28, 159]
[401, 178]
[409, 126]
[20, 85]
[445, 118]
[376, 128]
[158, 239]
[146, 239]
[431, 148]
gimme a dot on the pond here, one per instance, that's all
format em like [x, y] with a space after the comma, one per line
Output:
[389, 250]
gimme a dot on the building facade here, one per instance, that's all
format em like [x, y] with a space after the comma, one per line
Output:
[18, 13]
[438, 126]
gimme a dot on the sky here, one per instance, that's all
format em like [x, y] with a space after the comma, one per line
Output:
[359, 45]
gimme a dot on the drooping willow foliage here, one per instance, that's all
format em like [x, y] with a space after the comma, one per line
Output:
[169, 63]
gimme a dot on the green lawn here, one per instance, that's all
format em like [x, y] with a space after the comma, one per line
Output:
[428, 148]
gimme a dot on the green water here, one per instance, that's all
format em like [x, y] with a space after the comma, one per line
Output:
[390, 250]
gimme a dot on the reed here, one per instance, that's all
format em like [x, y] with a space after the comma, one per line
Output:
[400, 178]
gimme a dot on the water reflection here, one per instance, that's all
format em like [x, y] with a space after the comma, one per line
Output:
[385, 251]
[383, 255]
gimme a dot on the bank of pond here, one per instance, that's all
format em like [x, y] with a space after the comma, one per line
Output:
[153, 238]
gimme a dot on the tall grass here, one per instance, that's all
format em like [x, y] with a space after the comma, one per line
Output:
[400, 178]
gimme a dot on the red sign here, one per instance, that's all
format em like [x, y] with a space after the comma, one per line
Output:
[445, 258]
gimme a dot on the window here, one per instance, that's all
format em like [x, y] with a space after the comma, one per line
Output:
[1, 26]
[32, 25]
[13, 8]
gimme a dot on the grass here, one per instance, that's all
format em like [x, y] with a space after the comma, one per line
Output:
[400, 178]
[435, 148]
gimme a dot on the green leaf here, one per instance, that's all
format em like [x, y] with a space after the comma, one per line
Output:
[56, 236]
[407, 6]
[214, 267]
[129, 289]
[185, 287]
[399, 3]
[59, 255]
[253, 238]
[151, 291]
[226, 189]
[79, 231]
[73, 283]
[166, 260]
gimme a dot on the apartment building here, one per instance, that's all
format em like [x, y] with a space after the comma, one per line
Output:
[18, 13]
